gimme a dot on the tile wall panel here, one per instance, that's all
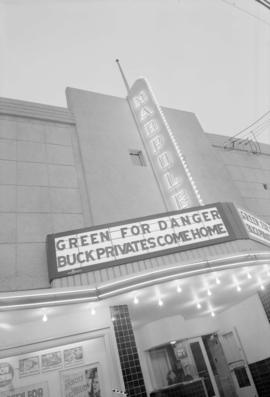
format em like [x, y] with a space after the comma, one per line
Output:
[261, 375]
[265, 299]
[129, 359]
[39, 188]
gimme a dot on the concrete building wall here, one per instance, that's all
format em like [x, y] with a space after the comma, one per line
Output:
[213, 180]
[250, 172]
[107, 131]
[39, 189]
[117, 189]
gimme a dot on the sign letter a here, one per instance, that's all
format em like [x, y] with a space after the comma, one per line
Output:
[145, 112]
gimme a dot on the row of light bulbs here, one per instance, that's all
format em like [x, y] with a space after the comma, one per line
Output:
[179, 290]
[45, 317]
[209, 292]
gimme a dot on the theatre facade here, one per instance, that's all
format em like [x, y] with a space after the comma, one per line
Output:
[135, 252]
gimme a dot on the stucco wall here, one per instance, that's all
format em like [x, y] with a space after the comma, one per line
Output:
[213, 180]
[250, 172]
[117, 189]
[39, 190]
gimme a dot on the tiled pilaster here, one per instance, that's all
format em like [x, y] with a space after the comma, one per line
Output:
[261, 375]
[265, 299]
[129, 359]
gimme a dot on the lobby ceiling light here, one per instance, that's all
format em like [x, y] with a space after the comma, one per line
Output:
[239, 289]
[209, 293]
[217, 281]
[213, 313]
[262, 287]
[5, 326]
[93, 311]
[173, 342]
[199, 306]
[179, 289]
[44, 318]
[160, 302]
[136, 300]
[249, 276]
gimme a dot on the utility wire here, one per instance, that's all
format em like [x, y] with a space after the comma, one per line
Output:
[252, 124]
[260, 130]
[246, 12]
[264, 3]
[250, 134]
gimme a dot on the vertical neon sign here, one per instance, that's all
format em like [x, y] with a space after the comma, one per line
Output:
[176, 183]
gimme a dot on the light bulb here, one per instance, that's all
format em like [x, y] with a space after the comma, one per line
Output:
[136, 300]
[212, 314]
[217, 280]
[93, 311]
[249, 275]
[160, 302]
[44, 318]
[199, 306]
[209, 293]
[179, 289]
[239, 289]
[262, 287]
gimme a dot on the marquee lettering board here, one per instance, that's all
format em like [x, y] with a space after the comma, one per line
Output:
[112, 244]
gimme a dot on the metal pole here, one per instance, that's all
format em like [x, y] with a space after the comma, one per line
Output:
[123, 76]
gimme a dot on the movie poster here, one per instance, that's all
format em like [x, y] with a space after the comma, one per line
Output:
[6, 374]
[51, 361]
[73, 356]
[82, 381]
[29, 366]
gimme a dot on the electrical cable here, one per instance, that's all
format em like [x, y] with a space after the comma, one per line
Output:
[252, 124]
[264, 3]
[246, 12]
[256, 131]
[261, 128]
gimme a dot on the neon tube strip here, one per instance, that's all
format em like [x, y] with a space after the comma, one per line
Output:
[177, 148]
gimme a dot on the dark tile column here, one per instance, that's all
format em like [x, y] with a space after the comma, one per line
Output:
[128, 353]
[261, 375]
[265, 299]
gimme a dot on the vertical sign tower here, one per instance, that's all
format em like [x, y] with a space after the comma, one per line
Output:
[170, 168]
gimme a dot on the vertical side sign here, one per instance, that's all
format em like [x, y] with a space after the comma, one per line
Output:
[176, 183]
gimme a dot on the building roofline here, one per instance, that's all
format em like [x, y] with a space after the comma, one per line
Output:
[37, 111]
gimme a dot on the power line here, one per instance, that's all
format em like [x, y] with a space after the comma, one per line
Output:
[247, 138]
[264, 3]
[253, 124]
[246, 12]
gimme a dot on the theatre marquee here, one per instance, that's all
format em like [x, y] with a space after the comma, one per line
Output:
[103, 246]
